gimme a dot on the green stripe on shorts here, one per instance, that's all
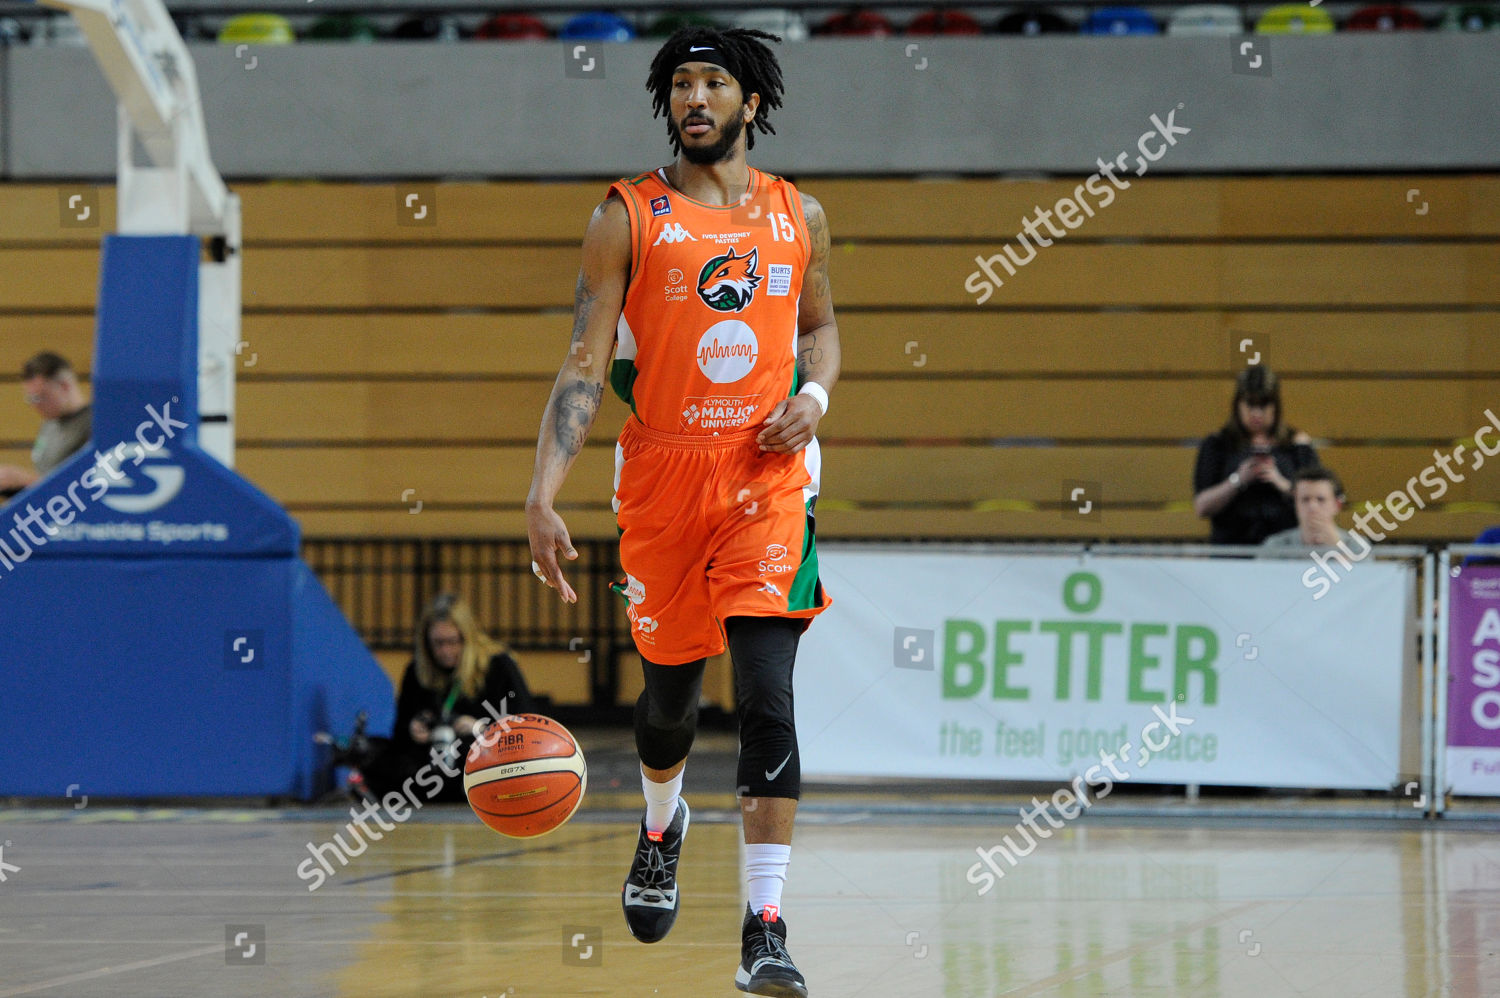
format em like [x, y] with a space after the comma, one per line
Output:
[804, 594]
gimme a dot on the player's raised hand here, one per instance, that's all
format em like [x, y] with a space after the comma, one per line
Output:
[790, 426]
[549, 537]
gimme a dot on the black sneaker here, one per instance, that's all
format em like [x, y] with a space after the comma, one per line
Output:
[650, 893]
[766, 967]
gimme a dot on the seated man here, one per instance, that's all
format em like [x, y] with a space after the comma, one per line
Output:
[52, 389]
[1317, 496]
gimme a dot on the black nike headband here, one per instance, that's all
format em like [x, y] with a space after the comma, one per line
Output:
[707, 53]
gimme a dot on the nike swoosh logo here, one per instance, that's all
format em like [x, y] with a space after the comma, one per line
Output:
[701, 48]
[772, 774]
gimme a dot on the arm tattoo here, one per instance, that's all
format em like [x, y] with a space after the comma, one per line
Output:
[808, 354]
[817, 229]
[584, 297]
[573, 414]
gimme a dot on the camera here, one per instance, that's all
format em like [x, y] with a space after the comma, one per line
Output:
[443, 739]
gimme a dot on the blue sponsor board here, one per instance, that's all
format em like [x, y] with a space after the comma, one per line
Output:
[162, 636]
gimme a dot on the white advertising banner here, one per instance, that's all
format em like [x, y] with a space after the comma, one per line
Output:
[990, 665]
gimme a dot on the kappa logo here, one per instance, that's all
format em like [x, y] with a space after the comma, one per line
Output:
[727, 283]
[769, 587]
[661, 206]
[673, 232]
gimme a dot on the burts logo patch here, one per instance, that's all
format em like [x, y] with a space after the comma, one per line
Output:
[661, 206]
[781, 279]
[727, 283]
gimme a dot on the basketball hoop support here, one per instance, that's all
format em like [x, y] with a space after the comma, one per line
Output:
[167, 183]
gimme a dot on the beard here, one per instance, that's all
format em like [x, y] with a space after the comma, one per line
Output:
[718, 151]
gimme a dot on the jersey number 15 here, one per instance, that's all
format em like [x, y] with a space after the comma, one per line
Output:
[782, 230]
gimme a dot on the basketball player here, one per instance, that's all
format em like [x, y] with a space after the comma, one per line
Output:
[706, 282]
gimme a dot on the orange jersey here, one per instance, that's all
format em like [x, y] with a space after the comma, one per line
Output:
[707, 339]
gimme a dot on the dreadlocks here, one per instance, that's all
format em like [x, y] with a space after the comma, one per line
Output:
[749, 61]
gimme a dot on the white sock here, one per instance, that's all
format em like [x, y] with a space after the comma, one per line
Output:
[661, 800]
[765, 872]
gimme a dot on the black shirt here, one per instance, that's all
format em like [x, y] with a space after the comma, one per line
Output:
[502, 680]
[1260, 509]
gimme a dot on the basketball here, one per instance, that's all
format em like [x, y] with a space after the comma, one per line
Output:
[525, 775]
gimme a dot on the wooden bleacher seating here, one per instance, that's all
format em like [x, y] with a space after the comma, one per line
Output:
[391, 357]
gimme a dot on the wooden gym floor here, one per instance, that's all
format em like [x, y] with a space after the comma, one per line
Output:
[105, 900]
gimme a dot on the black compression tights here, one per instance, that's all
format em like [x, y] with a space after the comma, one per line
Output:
[763, 650]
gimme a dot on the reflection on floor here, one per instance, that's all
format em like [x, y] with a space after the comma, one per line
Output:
[208, 903]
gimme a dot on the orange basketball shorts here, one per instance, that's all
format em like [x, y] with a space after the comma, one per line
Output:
[712, 528]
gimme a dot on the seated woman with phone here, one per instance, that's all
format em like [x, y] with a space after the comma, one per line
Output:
[1243, 479]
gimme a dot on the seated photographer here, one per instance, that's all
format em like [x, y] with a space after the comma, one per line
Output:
[1319, 496]
[454, 670]
[1243, 478]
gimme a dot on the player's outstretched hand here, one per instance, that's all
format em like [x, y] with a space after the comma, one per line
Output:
[549, 536]
[790, 426]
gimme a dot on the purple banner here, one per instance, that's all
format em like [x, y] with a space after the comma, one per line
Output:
[1474, 680]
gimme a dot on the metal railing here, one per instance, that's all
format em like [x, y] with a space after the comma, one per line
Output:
[382, 585]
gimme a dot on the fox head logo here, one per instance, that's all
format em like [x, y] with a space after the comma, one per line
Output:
[727, 283]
